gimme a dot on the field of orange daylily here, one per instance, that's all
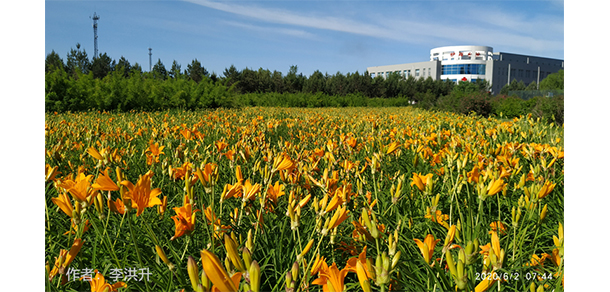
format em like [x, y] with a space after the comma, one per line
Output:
[272, 199]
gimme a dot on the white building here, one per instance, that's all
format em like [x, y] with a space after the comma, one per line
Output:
[469, 63]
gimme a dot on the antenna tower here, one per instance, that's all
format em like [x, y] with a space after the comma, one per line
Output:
[150, 59]
[95, 19]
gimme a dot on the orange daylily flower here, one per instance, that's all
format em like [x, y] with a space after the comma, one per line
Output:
[117, 206]
[93, 152]
[339, 216]
[421, 180]
[79, 188]
[249, 190]
[104, 183]
[495, 186]
[274, 192]
[184, 220]
[487, 282]
[351, 264]
[392, 147]
[438, 218]
[546, 189]
[65, 258]
[98, 284]
[207, 176]
[219, 229]
[217, 274]
[427, 247]
[473, 175]
[497, 225]
[75, 227]
[141, 195]
[331, 278]
[64, 203]
[282, 162]
[153, 152]
[50, 173]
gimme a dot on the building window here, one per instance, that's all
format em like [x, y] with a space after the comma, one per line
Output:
[416, 72]
[528, 74]
[429, 70]
[409, 72]
[372, 75]
[521, 73]
[476, 69]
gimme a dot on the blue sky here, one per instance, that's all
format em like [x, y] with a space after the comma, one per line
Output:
[330, 36]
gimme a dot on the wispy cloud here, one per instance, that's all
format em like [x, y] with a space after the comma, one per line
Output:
[271, 30]
[280, 16]
[495, 28]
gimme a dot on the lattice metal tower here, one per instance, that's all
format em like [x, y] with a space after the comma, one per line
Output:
[95, 19]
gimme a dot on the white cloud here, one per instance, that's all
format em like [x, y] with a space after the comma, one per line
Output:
[478, 27]
[271, 30]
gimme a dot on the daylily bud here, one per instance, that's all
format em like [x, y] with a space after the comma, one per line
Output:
[370, 268]
[255, 276]
[193, 271]
[386, 263]
[543, 212]
[461, 275]
[249, 240]
[365, 284]
[245, 254]
[395, 259]
[295, 271]
[450, 235]
[206, 284]
[163, 257]
[451, 264]
[532, 287]
[305, 251]
[373, 230]
[289, 286]
[231, 248]
[365, 218]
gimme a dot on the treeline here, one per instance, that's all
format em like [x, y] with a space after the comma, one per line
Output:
[105, 84]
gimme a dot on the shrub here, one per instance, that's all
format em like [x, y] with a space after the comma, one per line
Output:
[508, 106]
[479, 103]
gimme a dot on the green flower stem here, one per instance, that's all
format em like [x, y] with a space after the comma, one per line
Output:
[135, 245]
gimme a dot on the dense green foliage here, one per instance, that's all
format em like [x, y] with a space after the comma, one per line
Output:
[104, 84]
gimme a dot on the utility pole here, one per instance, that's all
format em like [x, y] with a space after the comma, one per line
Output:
[150, 59]
[95, 19]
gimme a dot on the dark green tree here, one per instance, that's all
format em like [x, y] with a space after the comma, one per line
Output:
[277, 82]
[175, 72]
[293, 81]
[337, 84]
[124, 64]
[195, 71]
[532, 86]
[315, 83]
[136, 69]
[77, 60]
[53, 62]
[101, 66]
[513, 85]
[231, 75]
[553, 81]
[159, 70]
